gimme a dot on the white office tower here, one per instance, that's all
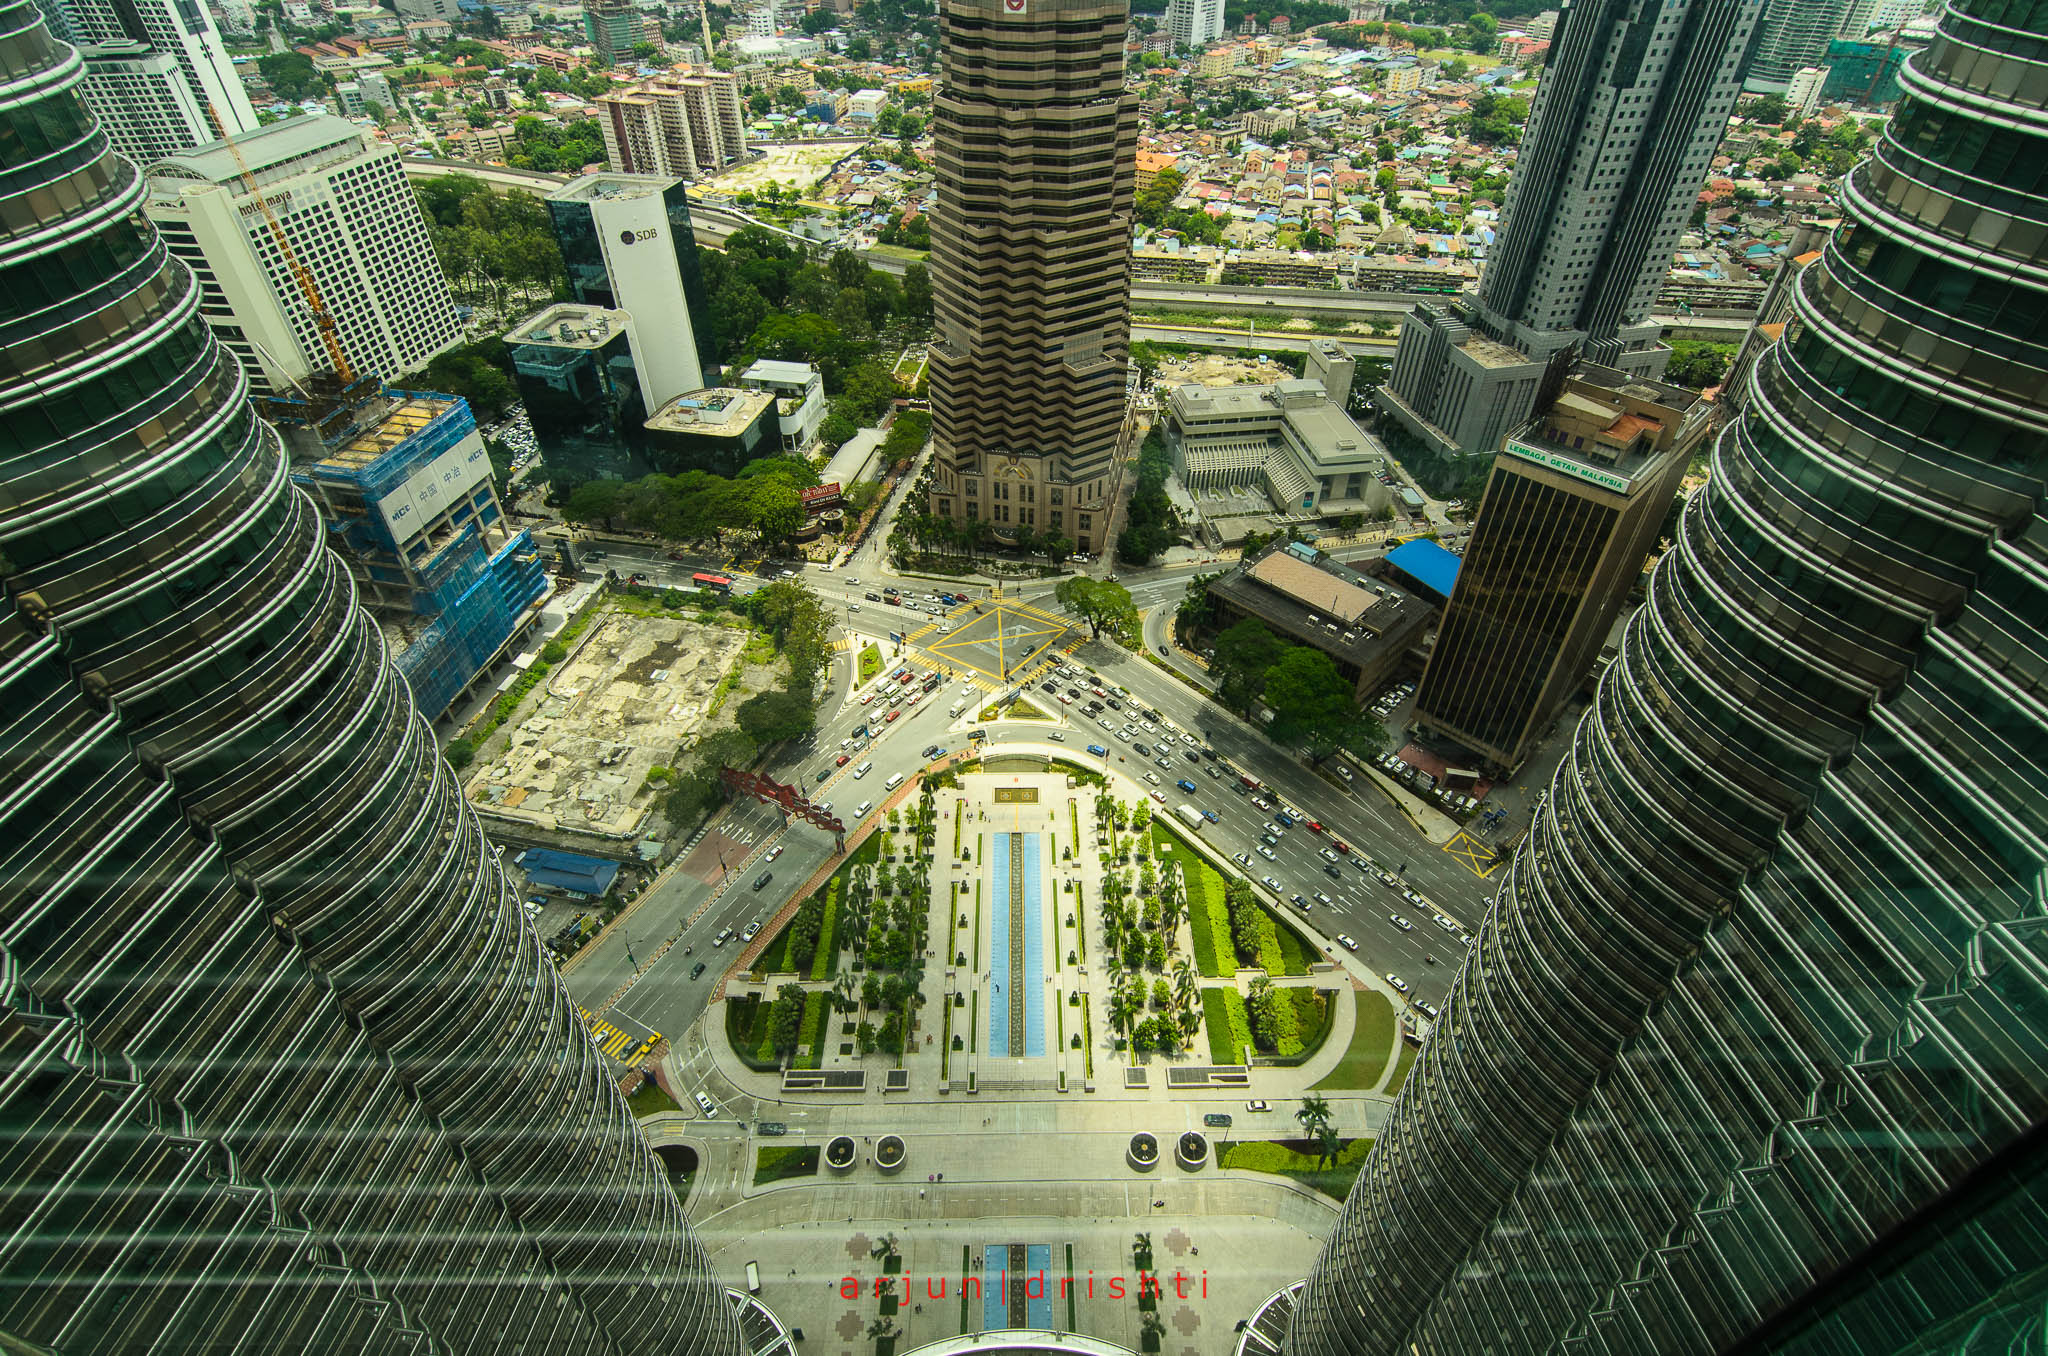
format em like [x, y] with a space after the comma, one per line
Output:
[1802, 96]
[1796, 33]
[352, 224]
[179, 29]
[237, 16]
[1194, 23]
[143, 100]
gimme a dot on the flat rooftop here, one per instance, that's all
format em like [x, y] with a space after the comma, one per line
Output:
[1326, 605]
[1492, 353]
[595, 187]
[718, 412]
[570, 325]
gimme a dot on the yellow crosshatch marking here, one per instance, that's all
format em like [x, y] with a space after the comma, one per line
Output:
[1474, 854]
[997, 627]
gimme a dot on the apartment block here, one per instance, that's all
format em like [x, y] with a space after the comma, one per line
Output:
[680, 125]
[350, 221]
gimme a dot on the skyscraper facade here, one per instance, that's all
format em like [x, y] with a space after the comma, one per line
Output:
[352, 223]
[143, 101]
[286, 1069]
[628, 244]
[1761, 995]
[1035, 143]
[1194, 23]
[1795, 33]
[1633, 102]
[182, 30]
[1572, 507]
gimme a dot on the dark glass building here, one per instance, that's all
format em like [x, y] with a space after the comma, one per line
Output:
[628, 244]
[285, 1069]
[1757, 1025]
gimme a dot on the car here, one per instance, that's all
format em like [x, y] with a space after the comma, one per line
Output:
[1159, 796]
[1210, 768]
[1141, 750]
[761, 881]
[1347, 941]
[1098, 750]
[1152, 777]
[1257, 1105]
[853, 607]
[1400, 984]
[863, 770]
[697, 970]
[866, 697]
[1055, 736]
[1267, 853]
[1388, 879]
[1217, 1119]
[1398, 921]
[890, 719]
[1124, 735]
[932, 751]
[1163, 764]
[1186, 785]
[1049, 687]
[1324, 899]
[1340, 845]
[1191, 756]
[773, 853]
[1270, 884]
[1276, 830]
[704, 1105]
[1262, 803]
[788, 574]
[1333, 873]
[1327, 855]
[1105, 725]
[1344, 772]
[722, 938]
[1212, 816]
[1299, 902]
[1241, 858]
[1065, 700]
[753, 930]
[860, 811]
[1412, 897]
[842, 760]
[1284, 819]
[1427, 1009]
[1446, 924]
[1114, 704]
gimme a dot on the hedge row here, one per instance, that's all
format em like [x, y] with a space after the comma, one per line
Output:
[826, 961]
[1229, 1027]
[1313, 1023]
[810, 1040]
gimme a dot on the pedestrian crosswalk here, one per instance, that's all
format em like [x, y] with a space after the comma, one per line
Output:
[613, 1043]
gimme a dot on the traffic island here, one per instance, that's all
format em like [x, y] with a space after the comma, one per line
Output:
[890, 1155]
[1143, 1153]
[1191, 1151]
[839, 1154]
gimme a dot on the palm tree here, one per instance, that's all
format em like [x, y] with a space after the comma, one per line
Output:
[1314, 1115]
[1184, 981]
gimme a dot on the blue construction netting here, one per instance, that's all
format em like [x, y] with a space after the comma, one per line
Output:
[479, 605]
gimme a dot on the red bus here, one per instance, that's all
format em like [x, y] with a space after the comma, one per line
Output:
[717, 583]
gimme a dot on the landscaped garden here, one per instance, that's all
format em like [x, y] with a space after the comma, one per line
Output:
[1301, 1159]
[779, 1162]
[1372, 1040]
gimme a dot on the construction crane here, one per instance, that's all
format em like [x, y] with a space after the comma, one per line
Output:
[309, 289]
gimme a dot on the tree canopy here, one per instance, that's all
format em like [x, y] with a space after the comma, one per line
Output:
[1096, 601]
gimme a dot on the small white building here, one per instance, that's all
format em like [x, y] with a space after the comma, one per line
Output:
[867, 103]
[799, 398]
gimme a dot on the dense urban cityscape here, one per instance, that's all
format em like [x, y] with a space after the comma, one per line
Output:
[1401, 641]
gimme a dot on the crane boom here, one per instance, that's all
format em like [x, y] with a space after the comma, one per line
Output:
[310, 290]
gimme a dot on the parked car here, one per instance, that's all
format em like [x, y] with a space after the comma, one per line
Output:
[1345, 940]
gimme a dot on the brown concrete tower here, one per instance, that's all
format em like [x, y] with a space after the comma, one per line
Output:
[1036, 143]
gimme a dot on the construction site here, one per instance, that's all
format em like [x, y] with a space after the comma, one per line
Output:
[634, 695]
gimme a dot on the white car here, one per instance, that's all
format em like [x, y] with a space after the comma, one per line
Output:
[1267, 853]
[1345, 940]
[1400, 984]
[1148, 727]
[1328, 854]
[1446, 924]
[1124, 735]
[753, 929]
[1106, 725]
[1152, 777]
[773, 853]
[1241, 858]
[1398, 921]
[704, 1104]
[1324, 900]
[1056, 737]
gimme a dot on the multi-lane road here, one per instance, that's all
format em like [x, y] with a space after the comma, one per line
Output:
[665, 996]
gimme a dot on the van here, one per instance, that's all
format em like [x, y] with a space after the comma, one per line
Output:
[956, 708]
[753, 1278]
[894, 781]
[860, 811]
[863, 770]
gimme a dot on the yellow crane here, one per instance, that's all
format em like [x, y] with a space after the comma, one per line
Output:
[309, 289]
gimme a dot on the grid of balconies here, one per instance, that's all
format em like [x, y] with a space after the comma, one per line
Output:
[1764, 983]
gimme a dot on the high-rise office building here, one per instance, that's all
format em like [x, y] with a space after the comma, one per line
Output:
[628, 245]
[578, 370]
[1194, 23]
[1802, 93]
[677, 125]
[612, 26]
[352, 223]
[1571, 508]
[142, 100]
[1757, 1012]
[179, 29]
[1633, 102]
[1035, 144]
[287, 1069]
[1795, 33]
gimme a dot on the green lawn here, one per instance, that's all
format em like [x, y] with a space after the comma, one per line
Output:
[1372, 1040]
[1229, 1028]
[778, 1162]
[1298, 1159]
[870, 661]
[1402, 1064]
[651, 1100]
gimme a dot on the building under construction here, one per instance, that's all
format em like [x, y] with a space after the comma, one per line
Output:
[404, 485]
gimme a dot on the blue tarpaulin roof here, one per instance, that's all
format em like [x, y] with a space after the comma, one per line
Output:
[573, 871]
[1427, 564]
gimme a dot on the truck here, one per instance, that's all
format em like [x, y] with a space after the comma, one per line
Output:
[1190, 816]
